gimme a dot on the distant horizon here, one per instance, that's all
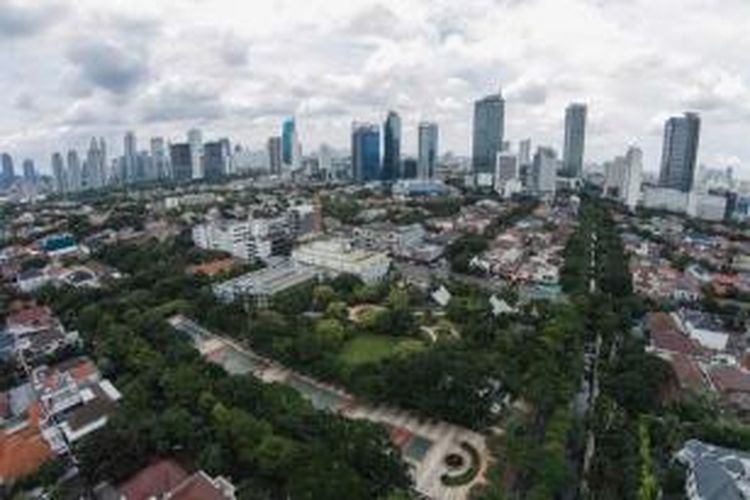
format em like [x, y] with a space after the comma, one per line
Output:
[161, 69]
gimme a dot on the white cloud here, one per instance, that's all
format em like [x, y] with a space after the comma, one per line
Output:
[99, 66]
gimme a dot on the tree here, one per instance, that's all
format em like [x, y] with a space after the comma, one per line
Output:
[323, 296]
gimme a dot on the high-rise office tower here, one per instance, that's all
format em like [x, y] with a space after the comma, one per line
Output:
[29, 171]
[8, 173]
[325, 160]
[575, 140]
[75, 176]
[195, 140]
[159, 158]
[94, 176]
[524, 152]
[215, 159]
[544, 171]
[274, 155]
[290, 150]
[365, 152]
[428, 150]
[680, 152]
[128, 169]
[58, 173]
[489, 131]
[181, 158]
[392, 147]
[105, 174]
[227, 147]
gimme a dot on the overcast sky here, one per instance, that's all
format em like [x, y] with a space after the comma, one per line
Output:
[73, 68]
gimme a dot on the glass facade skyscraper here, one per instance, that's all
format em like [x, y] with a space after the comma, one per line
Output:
[428, 150]
[575, 140]
[680, 152]
[489, 131]
[274, 155]
[392, 147]
[181, 157]
[365, 152]
[288, 141]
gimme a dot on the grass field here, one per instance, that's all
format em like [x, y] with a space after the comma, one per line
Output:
[365, 349]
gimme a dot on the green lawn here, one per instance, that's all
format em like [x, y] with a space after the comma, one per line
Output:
[365, 349]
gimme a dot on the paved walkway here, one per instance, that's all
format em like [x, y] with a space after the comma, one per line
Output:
[425, 443]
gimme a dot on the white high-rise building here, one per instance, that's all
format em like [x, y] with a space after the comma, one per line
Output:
[633, 178]
[195, 140]
[507, 180]
[623, 177]
[524, 152]
[544, 171]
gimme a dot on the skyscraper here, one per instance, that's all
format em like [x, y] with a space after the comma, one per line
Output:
[181, 158]
[524, 152]
[159, 158]
[544, 171]
[58, 173]
[29, 171]
[489, 130]
[633, 178]
[215, 159]
[75, 181]
[195, 140]
[8, 173]
[428, 150]
[392, 147]
[274, 155]
[680, 152]
[105, 172]
[93, 167]
[288, 141]
[575, 140]
[129, 158]
[365, 152]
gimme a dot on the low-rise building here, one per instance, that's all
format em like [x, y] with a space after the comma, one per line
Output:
[261, 286]
[337, 256]
[167, 480]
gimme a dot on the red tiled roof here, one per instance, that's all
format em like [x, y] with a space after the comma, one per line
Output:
[32, 316]
[730, 379]
[197, 487]
[24, 451]
[666, 336]
[673, 341]
[688, 373]
[155, 480]
[213, 268]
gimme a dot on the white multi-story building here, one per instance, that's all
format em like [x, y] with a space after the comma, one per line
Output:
[707, 206]
[507, 179]
[659, 198]
[623, 177]
[544, 171]
[244, 239]
[337, 256]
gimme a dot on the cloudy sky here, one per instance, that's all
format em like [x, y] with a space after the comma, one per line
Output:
[73, 68]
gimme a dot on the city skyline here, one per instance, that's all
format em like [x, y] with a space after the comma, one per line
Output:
[427, 61]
